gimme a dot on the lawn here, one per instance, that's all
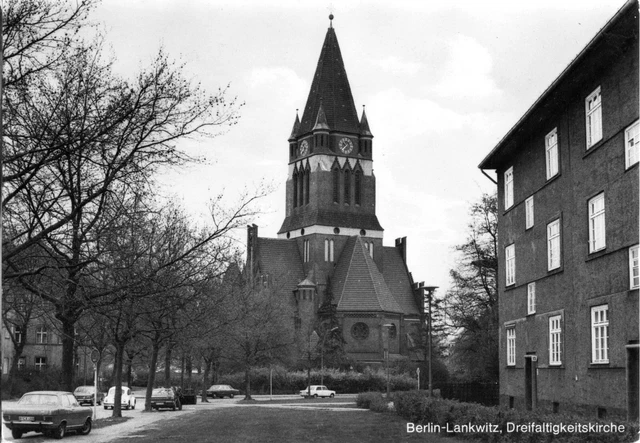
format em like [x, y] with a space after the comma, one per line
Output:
[250, 423]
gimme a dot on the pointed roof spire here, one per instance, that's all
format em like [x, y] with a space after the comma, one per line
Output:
[330, 84]
[321, 120]
[296, 128]
[331, 20]
[364, 125]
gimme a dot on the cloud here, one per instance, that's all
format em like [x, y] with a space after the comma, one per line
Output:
[397, 66]
[277, 81]
[467, 72]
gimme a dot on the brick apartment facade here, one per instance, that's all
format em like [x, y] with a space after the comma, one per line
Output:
[568, 236]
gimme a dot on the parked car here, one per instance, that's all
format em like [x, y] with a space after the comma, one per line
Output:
[51, 412]
[189, 397]
[317, 391]
[165, 398]
[127, 401]
[85, 394]
[221, 391]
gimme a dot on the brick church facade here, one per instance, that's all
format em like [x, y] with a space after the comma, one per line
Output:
[330, 245]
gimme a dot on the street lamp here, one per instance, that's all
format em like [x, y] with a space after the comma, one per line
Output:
[324, 338]
[386, 355]
[429, 291]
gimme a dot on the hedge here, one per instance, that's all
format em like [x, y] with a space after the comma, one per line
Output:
[513, 425]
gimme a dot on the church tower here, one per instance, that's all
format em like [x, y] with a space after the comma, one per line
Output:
[331, 189]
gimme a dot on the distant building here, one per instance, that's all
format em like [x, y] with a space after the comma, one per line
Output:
[568, 235]
[330, 243]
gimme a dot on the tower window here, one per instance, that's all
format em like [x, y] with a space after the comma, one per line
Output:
[358, 188]
[347, 187]
[301, 191]
[295, 189]
[306, 185]
[336, 185]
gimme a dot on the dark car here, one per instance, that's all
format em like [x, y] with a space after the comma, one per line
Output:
[51, 412]
[165, 398]
[221, 391]
[189, 397]
[85, 394]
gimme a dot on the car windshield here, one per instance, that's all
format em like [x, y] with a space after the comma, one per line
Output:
[161, 391]
[39, 399]
[112, 391]
[220, 387]
[84, 390]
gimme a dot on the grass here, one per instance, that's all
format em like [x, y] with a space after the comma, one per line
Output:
[249, 423]
[110, 421]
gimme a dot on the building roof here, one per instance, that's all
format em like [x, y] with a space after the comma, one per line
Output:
[330, 87]
[329, 218]
[357, 283]
[606, 45]
[280, 260]
[398, 280]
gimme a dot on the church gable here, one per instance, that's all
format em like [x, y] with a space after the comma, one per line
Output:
[280, 260]
[358, 285]
[398, 280]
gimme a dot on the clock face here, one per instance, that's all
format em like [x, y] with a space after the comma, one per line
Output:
[304, 147]
[345, 145]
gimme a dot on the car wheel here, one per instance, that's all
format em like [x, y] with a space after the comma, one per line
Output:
[86, 428]
[331, 396]
[16, 433]
[105, 407]
[134, 404]
[59, 432]
[315, 395]
[230, 395]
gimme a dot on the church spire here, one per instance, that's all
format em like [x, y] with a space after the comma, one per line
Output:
[296, 128]
[331, 87]
[321, 120]
[364, 125]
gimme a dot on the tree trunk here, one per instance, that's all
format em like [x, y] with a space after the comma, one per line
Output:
[247, 382]
[167, 365]
[189, 369]
[205, 379]
[117, 368]
[68, 369]
[152, 375]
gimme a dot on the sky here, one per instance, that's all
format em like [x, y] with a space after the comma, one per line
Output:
[442, 82]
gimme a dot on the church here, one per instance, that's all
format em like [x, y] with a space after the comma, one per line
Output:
[330, 245]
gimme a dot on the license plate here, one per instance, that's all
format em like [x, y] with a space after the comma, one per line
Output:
[24, 418]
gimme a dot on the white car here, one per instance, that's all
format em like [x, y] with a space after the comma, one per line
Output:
[317, 391]
[127, 401]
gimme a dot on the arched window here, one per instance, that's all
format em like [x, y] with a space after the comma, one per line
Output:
[347, 186]
[331, 250]
[326, 249]
[358, 188]
[301, 189]
[336, 185]
[295, 189]
[307, 173]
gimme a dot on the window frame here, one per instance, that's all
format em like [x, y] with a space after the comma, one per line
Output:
[508, 188]
[42, 335]
[633, 150]
[40, 363]
[555, 340]
[511, 345]
[600, 335]
[510, 264]
[633, 266]
[551, 153]
[593, 117]
[554, 243]
[531, 298]
[594, 227]
[529, 213]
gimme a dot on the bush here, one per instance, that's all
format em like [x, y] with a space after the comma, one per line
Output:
[417, 407]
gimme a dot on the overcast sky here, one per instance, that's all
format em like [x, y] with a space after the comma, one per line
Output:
[442, 83]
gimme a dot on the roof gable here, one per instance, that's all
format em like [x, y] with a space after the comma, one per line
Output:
[398, 280]
[280, 260]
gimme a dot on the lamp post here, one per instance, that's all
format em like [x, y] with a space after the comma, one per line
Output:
[429, 290]
[324, 338]
[386, 355]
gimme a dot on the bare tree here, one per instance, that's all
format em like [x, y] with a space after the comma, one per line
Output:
[472, 300]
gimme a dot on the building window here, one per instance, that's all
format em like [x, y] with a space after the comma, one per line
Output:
[41, 363]
[528, 212]
[632, 144]
[347, 187]
[510, 260]
[555, 340]
[331, 250]
[596, 224]
[301, 182]
[307, 175]
[306, 251]
[531, 298]
[551, 145]
[328, 250]
[336, 185]
[18, 334]
[593, 108]
[634, 275]
[295, 189]
[553, 245]
[358, 188]
[360, 331]
[511, 346]
[508, 188]
[41, 335]
[600, 334]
